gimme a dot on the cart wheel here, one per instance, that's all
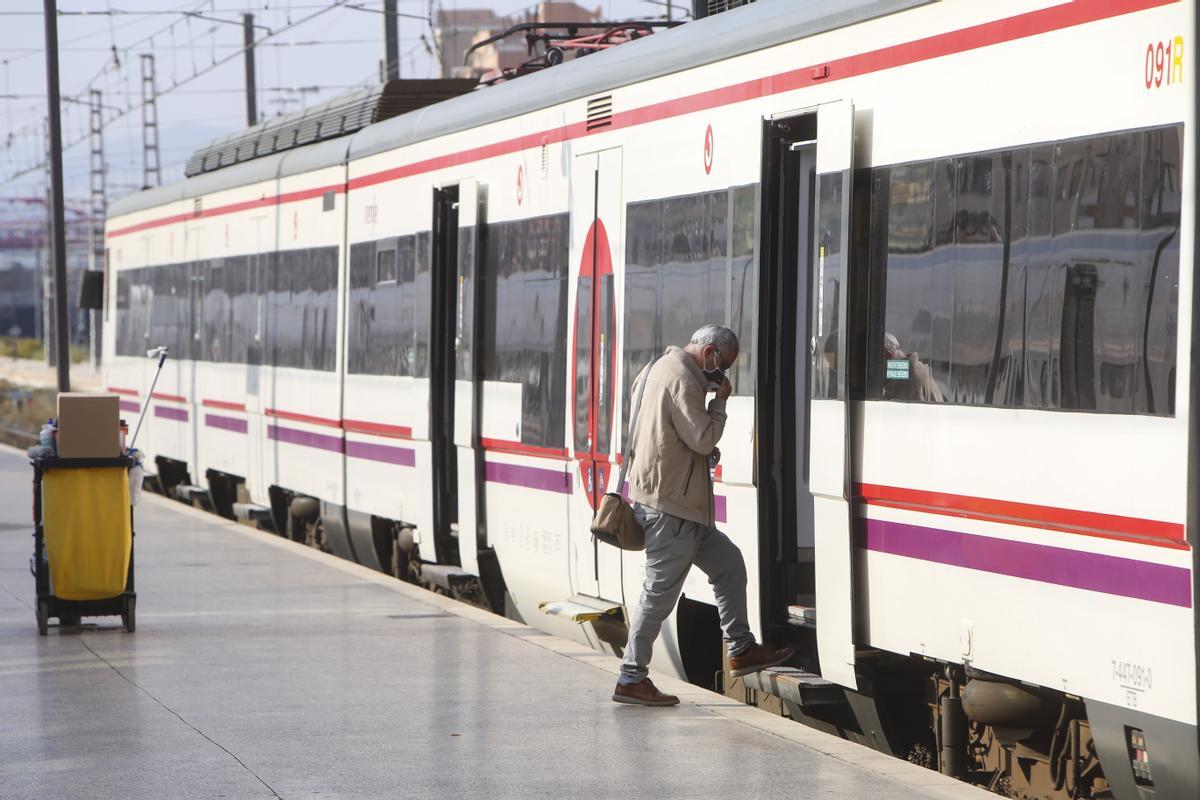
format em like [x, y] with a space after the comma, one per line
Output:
[128, 616]
[43, 617]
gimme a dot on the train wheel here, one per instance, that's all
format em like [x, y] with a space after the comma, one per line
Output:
[43, 617]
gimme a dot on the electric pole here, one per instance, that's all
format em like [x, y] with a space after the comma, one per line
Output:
[391, 41]
[150, 160]
[98, 207]
[58, 229]
[251, 91]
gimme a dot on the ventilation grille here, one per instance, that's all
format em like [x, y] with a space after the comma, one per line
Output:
[599, 114]
[706, 8]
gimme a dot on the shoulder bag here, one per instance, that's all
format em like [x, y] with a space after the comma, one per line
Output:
[614, 521]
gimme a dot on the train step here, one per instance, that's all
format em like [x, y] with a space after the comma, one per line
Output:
[188, 492]
[805, 689]
[582, 608]
[446, 577]
[802, 616]
[250, 512]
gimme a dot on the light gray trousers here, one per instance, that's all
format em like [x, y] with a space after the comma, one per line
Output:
[673, 545]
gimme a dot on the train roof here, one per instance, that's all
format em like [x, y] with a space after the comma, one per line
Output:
[757, 26]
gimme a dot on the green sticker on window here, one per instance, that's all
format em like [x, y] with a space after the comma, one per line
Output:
[897, 369]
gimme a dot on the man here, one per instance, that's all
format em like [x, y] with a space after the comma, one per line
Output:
[917, 384]
[669, 484]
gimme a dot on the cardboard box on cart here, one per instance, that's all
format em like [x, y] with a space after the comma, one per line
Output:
[89, 425]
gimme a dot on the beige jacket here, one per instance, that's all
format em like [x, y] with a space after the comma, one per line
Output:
[674, 436]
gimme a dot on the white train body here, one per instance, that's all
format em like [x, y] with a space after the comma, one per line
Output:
[1051, 545]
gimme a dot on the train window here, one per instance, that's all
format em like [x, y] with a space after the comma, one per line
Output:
[422, 299]
[827, 287]
[385, 266]
[464, 328]
[387, 326]
[525, 320]
[743, 283]
[302, 309]
[1038, 277]
[688, 261]
[134, 303]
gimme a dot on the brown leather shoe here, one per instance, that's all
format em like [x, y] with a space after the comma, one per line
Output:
[756, 658]
[643, 693]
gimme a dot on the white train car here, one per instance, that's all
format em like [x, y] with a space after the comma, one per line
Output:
[962, 449]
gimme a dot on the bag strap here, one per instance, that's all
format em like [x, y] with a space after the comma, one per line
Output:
[633, 421]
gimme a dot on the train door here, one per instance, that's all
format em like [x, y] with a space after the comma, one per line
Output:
[454, 389]
[804, 486]
[829, 461]
[264, 246]
[597, 221]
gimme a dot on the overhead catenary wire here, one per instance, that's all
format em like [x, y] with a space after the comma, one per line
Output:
[134, 106]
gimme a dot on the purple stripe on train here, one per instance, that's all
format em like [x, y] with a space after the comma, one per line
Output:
[319, 441]
[548, 480]
[166, 412]
[1125, 577]
[403, 456]
[130, 406]
[226, 423]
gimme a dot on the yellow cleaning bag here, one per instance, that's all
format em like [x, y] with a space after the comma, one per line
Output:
[88, 531]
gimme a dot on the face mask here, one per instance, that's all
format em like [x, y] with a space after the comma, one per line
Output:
[714, 376]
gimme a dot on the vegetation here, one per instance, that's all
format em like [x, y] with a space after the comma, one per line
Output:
[22, 412]
[24, 347]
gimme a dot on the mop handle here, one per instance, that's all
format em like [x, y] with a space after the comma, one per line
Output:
[162, 357]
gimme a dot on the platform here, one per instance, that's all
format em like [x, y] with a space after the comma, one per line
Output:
[261, 668]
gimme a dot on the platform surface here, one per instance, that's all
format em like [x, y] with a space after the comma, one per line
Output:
[263, 669]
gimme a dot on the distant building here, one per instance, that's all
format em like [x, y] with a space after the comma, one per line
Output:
[457, 30]
[25, 289]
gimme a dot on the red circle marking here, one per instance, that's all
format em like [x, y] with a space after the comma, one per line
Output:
[708, 150]
[596, 262]
[520, 184]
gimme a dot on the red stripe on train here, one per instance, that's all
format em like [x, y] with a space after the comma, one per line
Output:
[225, 404]
[328, 423]
[999, 31]
[1028, 515]
[232, 208]
[377, 428]
[517, 448]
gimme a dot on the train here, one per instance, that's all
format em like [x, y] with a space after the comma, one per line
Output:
[962, 452]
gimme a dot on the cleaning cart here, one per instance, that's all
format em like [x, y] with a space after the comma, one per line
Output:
[83, 540]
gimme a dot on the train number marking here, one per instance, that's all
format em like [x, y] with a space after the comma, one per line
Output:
[1133, 678]
[371, 214]
[520, 184]
[1164, 63]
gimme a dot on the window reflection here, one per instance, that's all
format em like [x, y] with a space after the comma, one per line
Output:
[1039, 277]
[525, 334]
[690, 260]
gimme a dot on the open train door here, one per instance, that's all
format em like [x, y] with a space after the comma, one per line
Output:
[829, 441]
[466, 385]
[454, 388]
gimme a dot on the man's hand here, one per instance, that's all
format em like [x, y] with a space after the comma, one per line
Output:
[714, 457]
[725, 389]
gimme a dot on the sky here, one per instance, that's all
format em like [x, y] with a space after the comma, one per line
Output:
[311, 52]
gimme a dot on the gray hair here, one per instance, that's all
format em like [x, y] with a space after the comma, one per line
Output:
[719, 336]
